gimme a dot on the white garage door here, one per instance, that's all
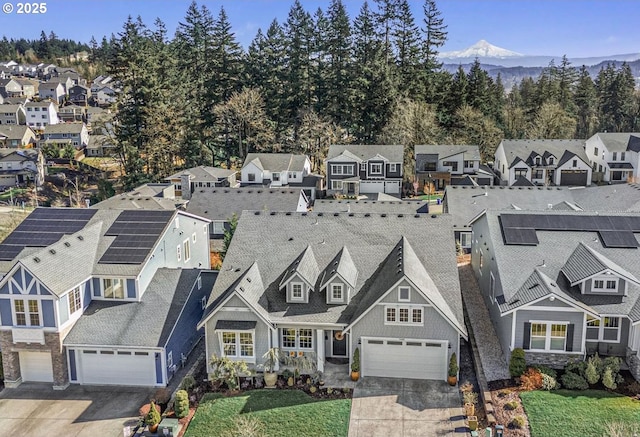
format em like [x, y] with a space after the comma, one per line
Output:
[392, 187]
[372, 186]
[401, 358]
[36, 366]
[119, 368]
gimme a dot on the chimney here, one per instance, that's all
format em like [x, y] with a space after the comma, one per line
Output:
[185, 182]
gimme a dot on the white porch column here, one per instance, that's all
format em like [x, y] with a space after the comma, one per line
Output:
[320, 349]
[275, 343]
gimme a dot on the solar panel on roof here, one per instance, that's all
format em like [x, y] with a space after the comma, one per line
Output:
[620, 239]
[520, 236]
[124, 256]
[135, 241]
[9, 252]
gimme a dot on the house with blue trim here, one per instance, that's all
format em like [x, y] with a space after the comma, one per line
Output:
[102, 296]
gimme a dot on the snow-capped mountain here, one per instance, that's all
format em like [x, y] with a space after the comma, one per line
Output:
[481, 49]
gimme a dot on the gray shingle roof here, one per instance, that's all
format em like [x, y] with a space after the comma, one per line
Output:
[235, 325]
[618, 197]
[15, 132]
[147, 323]
[63, 128]
[222, 203]
[343, 266]
[204, 173]
[523, 182]
[304, 266]
[394, 153]
[471, 153]
[277, 162]
[618, 142]
[516, 263]
[370, 238]
[523, 149]
[397, 206]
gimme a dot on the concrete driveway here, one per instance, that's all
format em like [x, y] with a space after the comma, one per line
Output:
[393, 407]
[79, 411]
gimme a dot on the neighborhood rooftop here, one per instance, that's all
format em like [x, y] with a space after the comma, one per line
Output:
[394, 153]
[276, 162]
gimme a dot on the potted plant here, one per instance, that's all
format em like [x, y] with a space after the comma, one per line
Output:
[271, 358]
[470, 399]
[355, 365]
[453, 370]
[152, 419]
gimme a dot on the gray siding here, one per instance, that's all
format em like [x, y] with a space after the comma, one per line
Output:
[48, 314]
[606, 348]
[415, 296]
[394, 174]
[588, 285]
[289, 291]
[577, 318]
[345, 291]
[547, 303]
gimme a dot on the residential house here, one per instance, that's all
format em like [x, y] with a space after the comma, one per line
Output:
[323, 285]
[19, 166]
[100, 145]
[394, 206]
[29, 87]
[275, 170]
[201, 177]
[148, 196]
[220, 205]
[542, 162]
[18, 137]
[561, 285]
[615, 157]
[442, 166]
[80, 95]
[97, 116]
[41, 114]
[10, 88]
[100, 82]
[72, 113]
[104, 96]
[12, 115]
[53, 90]
[14, 100]
[101, 296]
[5, 72]
[61, 134]
[361, 169]
[45, 71]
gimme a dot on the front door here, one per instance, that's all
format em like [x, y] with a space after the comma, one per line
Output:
[339, 348]
[351, 188]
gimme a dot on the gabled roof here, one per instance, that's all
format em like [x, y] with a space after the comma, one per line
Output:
[16, 132]
[64, 128]
[585, 262]
[203, 173]
[523, 182]
[620, 142]
[276, 162]
[394, 153]
[343, 266]
[6, 108]
[470, 153]
[523, 149]
[395, 206]
[305, 267]
[516, 161]
[567, 156]
[147, 323]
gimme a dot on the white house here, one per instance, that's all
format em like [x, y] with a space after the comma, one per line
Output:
[615, 157]
[275, 169]
[41, 114]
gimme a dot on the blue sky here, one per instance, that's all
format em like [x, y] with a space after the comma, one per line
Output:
[578, 28]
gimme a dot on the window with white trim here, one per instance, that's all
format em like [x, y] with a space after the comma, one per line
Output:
[237, 344]
[74, 300]
[170, 359]
[363, 166]
[297, 338]
[345, 170]
[203, 302]
[187, 250]
[336, 185]
[375, 168]
[205, 229]
[550, 160]
[465, 240]
[492, 287]
[336, 292]
[27, 312]
[218, 228]
[113, 288]
[403, 315]
[199, 282]
[606, 330]
[296, 291]
[404, 294]
[548, 336]
[393, 167]
[607, 285]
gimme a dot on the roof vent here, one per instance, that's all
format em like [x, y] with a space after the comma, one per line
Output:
[52, 251]
[351, 214]
[335, 214]
[320, 214]
[303, 214]
[248, 279]
[383, 215]
[237, 270]
[367, 215]
[272, 213]
[256, 212]
[206, 211]
[80, 237]
[67, 244]
[434, 216]
[290, 239]
[288, 213]
[400, 215]
[36, 259]
[241, 288]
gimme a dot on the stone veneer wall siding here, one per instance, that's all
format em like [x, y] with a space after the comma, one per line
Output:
[555, 361]
[634, 363]
[52, 344]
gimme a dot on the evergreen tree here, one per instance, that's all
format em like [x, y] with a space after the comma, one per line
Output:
[586, 104]
[479, 88]
[474, 127]
[566, 76]
[337, 51]
[407, 47]
[551, 122]
[385, 18]
[435, 35]
[321, 67]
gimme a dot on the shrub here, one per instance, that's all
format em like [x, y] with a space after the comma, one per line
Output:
[577, 367]
[313, 389]
[573, 381]
[591, 373]
[453, 365]
[470, 397]
[248, 426]
[547, 371]
[144, 410]
[511, 405]
[549, 382]
[290, 381]
[162, 395]
[188, 383]
[153, 416]
[466, 387]
[181, 405]
[531, 380]
[286, 374]
[613, 363]
[517, 422]
[227, 371]
[355, 363]
[608, 380]
[517, 363]
[504, 392]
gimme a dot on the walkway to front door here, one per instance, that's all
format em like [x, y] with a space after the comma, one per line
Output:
[394, 407]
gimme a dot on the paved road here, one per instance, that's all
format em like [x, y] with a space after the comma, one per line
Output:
[391, 407]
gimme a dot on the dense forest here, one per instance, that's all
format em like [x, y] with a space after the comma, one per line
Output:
[49, 48]
[321, 77]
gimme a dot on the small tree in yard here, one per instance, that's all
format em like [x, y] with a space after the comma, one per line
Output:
[68, 152]
[227, 371]
[517, 363]
[181, 405]
[593, 371]
[153, 416]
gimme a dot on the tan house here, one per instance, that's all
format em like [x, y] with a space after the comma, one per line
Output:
[18, 137]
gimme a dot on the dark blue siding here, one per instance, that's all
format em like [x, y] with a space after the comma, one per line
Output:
[5, 312]
[96, 286]
[131, 288]
[27, 280]
[48, 316]
[17, 277]
[72, 365]
[158, 368]
[44, 290]
[184, 335]
[4, 289]
[87, 295]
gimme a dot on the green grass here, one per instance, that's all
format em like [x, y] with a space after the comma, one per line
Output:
[431, 198]
[14, 193]
[282, 412]
[569, 413]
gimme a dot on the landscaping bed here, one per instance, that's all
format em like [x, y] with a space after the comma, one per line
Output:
[270, 412]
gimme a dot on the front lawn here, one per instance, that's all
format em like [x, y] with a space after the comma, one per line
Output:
[281, 412]
[569, 413]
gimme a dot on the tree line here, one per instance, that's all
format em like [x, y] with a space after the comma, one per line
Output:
[48, 48]
[320, 78]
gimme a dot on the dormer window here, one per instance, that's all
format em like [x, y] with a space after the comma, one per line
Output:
[336, 292]
[602, 285]
[550, 160]
[296, 292]
[404, 294]
[538, 160]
